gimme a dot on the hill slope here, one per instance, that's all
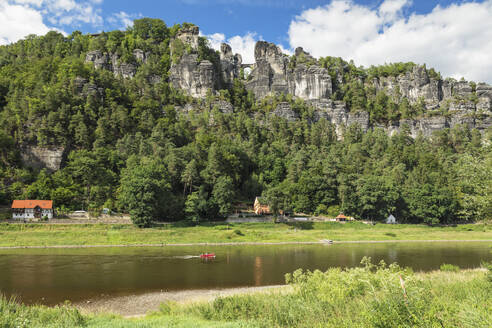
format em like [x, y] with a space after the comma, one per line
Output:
[153, 121]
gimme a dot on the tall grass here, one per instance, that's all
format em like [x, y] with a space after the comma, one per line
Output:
[369, 296]
[14, 314]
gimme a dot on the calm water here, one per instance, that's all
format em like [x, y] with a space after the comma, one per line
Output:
[51, 276]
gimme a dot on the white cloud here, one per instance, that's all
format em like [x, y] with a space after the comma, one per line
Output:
[36, 3]
[19, 21]
[244, 45]
[391, 9]
[122, 19]
[20, 18]
[216, 40]
[456, 40]
[70, 12]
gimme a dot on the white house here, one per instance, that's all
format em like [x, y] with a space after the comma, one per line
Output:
[391, 219]
[32, 209]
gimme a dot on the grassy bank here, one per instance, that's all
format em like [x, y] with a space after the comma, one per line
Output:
[368, 296]
[102, 234]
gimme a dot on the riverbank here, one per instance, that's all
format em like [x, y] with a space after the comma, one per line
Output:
[322, 242]
[131, 306]
[90, 235]
[367, 296]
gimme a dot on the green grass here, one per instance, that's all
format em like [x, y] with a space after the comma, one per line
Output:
[103, 234]
[368, 296]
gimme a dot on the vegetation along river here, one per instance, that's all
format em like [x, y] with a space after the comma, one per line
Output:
[50, 276]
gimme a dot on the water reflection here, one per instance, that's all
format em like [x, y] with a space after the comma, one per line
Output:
[53, 275]
[258, 273]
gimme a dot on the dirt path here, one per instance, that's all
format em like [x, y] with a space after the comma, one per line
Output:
[139, 305]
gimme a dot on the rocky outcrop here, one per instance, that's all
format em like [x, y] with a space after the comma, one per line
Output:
[42, 158]
[302, 76]
[112, 62]
[84, 88]
[311, 82]
[413, 85]
[230, 65]
[194, 77]
[284, 110]
[223, 106]
[484, 95]
[272, 73]
[416, 85]
[189, 35]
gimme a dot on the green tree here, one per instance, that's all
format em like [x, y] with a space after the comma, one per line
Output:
[474, 186]
[144, 188]
[223, 194]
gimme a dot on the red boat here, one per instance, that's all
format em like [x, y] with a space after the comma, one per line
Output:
[207, 255]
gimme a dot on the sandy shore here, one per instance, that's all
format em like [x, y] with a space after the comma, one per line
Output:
[139, 305]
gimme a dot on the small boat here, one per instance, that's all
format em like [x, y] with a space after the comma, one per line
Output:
[207, 255]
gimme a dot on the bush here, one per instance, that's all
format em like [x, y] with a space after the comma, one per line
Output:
[488, 266]
[449, 268]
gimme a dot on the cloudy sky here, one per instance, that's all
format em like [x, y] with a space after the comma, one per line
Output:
[453, 36]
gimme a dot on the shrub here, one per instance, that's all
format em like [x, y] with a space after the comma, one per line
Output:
[449, 268]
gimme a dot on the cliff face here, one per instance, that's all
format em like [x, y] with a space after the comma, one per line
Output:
[303, 77]
[113, 63]
[39, 157]
[465, 102]
[193, 76]
[196, 78]
[272, 74]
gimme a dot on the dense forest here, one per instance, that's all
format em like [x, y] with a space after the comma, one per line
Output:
[131, 148]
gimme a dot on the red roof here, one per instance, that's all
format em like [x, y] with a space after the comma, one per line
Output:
[341, 216]
[32, 203]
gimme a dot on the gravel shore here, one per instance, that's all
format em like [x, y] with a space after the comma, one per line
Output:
[139, 305]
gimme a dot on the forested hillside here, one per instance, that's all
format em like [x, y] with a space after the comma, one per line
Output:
[133, 143]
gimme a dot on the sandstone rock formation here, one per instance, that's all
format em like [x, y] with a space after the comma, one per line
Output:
[113, 63]
[223, 106]
[284, 110]
[194, 77]
[272, 74]
[40, 158]
[230, 65]
[466, 103]
[302, 76]
[189, 35]
[198, 77]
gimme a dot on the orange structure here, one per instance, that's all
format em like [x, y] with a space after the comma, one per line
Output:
[32, 209]
[261, 207]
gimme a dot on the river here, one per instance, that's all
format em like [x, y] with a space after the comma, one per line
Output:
[50, 276]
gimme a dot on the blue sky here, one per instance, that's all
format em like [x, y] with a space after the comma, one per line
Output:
[454, 36]
[268, 18]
